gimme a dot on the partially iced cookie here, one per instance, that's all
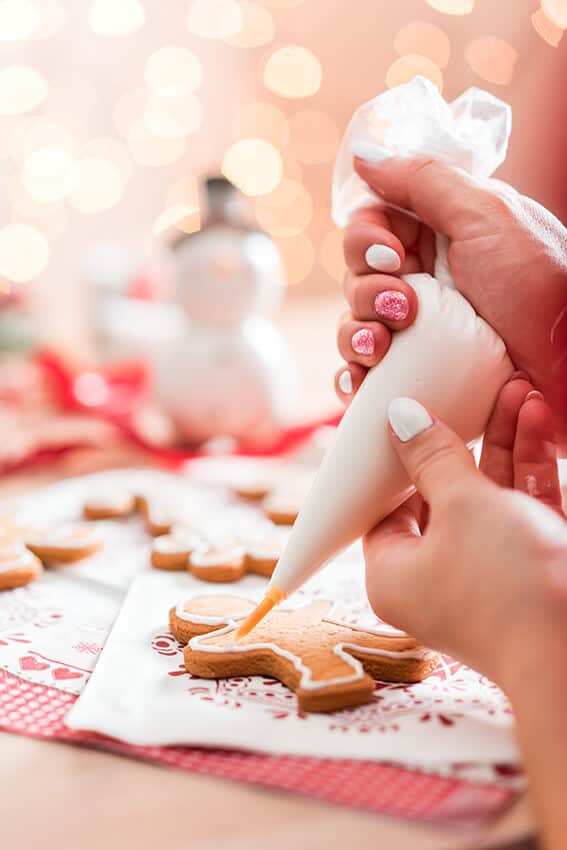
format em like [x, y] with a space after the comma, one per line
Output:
[64, 544]
[18, 566]
[329, 664]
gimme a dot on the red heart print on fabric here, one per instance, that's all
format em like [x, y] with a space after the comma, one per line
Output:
[28, 662]
[65, 673]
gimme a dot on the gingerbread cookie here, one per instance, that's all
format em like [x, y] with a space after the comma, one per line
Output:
[64, 544]
[110, 506]
[171, 551]
[281, 509]
[253, 491]
[158, 516]
[329, 664]
[18, 566]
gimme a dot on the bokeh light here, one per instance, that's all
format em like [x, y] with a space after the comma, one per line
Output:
[22, 89]
[262, 120]
[286, 211]
[98, 185]
[52, 19]
[215, 18]
[405, 68]
[293, 71]
[546, 28]
[425, 39]
[173, 71]
[173, 117]
[331, 254]
[24, 252]
[282, 4]
[128, 109]
[45, 133]
[52, 218]
[48, 174]
[254, 165]
[183, 193]
[18, 19]
[111, 150]
[314, 136]
[257, 27]
[298, 256]
[151, 150]
[111, 18]
[184, 218]
[492, 58]
[556, 11]
[452, 7]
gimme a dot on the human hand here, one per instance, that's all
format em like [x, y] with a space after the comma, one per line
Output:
[507, 254]
[486, 581]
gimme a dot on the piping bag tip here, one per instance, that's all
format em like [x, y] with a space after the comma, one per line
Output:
[273, 596]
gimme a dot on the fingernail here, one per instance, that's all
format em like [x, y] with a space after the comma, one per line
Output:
[392, 305]
[363, 342]
[369, 151]
[382, 258]
[408, 418]
[345, 382]
[534, 394]
[519, 376]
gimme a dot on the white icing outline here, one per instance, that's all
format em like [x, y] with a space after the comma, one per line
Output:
[306, 682]
[117, 502]
[183, 547]
[223, 558]
[51, 538]
[22, 558]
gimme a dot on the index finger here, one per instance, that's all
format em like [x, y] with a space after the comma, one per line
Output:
[369, 244]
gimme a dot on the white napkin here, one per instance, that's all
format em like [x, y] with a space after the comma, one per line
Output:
[140, 693]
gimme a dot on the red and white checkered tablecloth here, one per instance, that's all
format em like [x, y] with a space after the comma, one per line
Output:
[39, 711]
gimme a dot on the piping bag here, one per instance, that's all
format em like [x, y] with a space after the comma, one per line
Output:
[450, 359]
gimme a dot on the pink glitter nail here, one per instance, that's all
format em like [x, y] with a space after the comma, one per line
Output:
[392, 305]
[363, 342]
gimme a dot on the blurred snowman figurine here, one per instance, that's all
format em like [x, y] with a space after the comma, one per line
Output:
[230, 374]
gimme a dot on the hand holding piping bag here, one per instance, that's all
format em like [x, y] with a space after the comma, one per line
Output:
[507, 255]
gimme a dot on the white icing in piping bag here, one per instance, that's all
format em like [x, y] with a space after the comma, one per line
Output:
[450, 359]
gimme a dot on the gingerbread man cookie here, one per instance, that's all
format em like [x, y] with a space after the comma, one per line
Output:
[18, 566]
[329, 664]
[183, 550]
[158, 517]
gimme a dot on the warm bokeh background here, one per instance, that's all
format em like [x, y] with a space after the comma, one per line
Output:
[111, 109]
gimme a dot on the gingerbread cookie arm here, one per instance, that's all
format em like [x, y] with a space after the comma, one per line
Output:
[64, 545]
[110, 506]
[222, 565]
[18, 567]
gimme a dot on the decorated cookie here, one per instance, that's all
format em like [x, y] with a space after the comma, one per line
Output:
[109, 506]
[329, 664]
[171, 551]
[158, 516]
[225, 563]
[281, 509]
[18, 566]
[64, 544]
[253, 491]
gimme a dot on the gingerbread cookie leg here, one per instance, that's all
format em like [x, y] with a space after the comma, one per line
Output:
[109, 506]
[329, 664]
[65, 544]
[18, 566]
[172, 551]
[218, 565]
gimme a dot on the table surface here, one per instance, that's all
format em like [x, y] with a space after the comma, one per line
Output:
[61, 797]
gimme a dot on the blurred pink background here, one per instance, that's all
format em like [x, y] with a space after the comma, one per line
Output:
[184, 111]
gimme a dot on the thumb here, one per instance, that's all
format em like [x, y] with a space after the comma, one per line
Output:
[435, 458]
[443, 196]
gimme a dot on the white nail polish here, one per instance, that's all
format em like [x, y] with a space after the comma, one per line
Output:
[382, 258]
[369, 151]
[345, 382]
[408, 418]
